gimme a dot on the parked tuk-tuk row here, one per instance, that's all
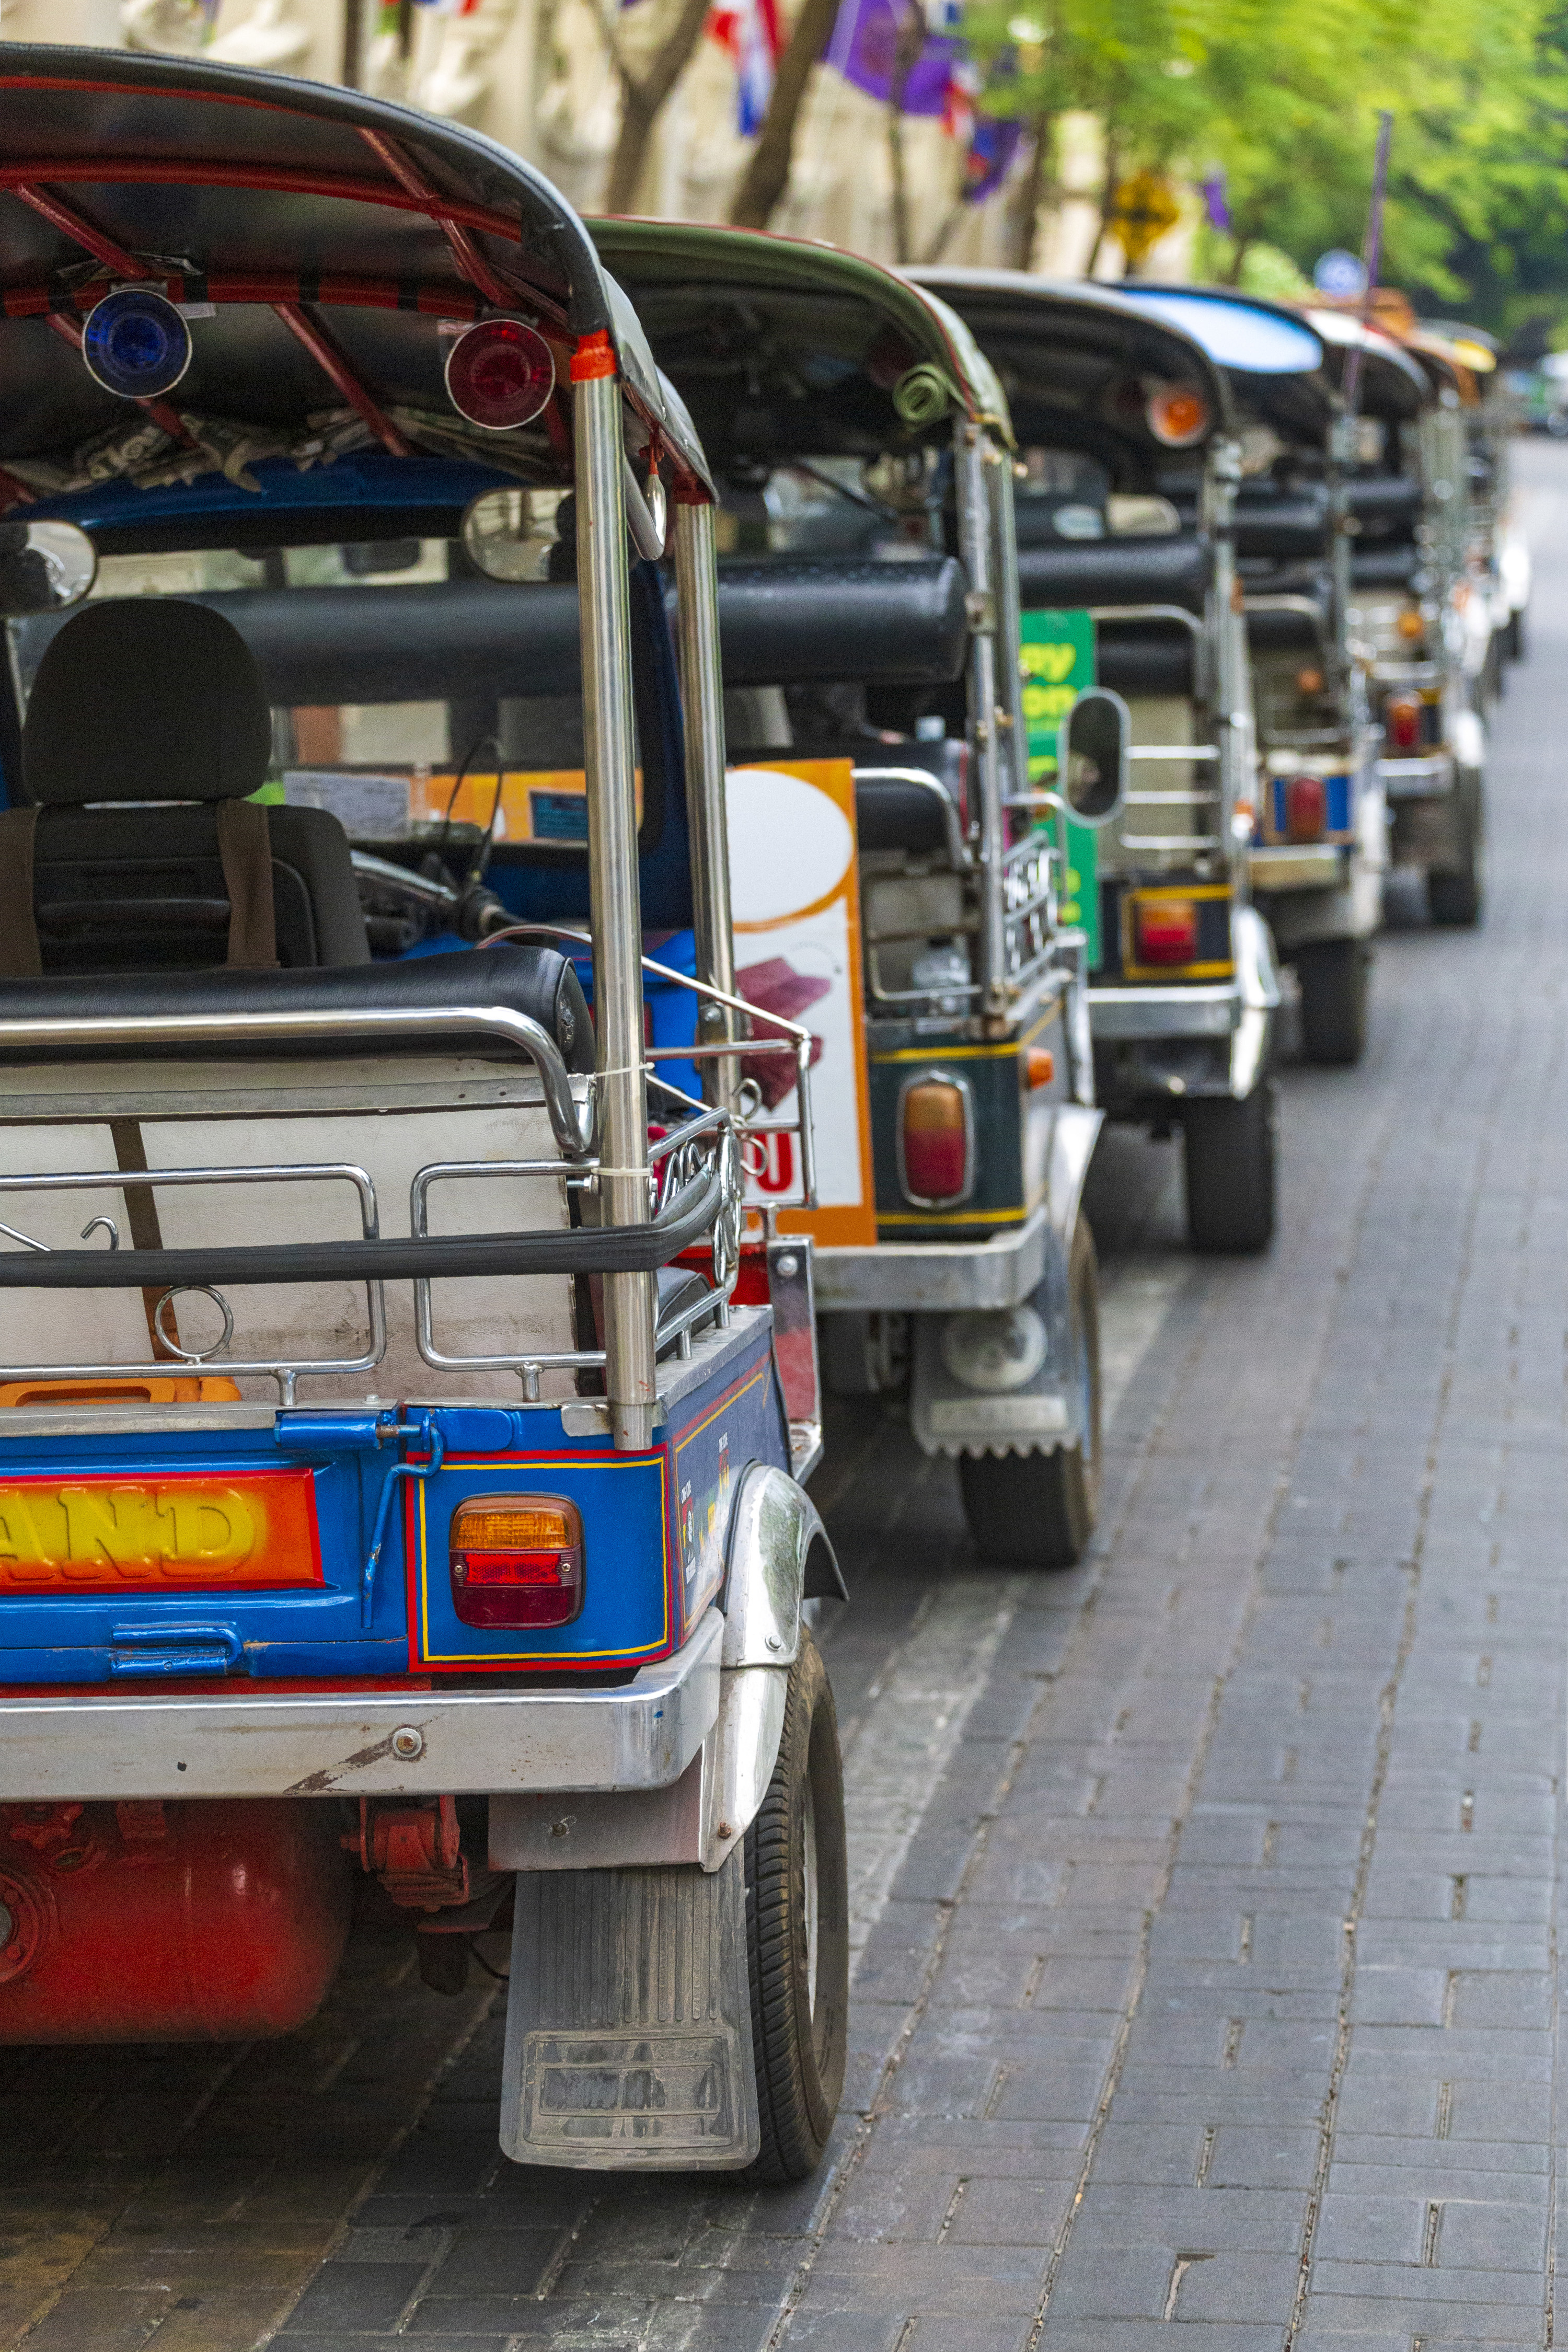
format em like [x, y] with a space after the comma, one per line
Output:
[594, 817]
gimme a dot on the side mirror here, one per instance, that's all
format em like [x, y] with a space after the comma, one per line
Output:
[44, 567]
[1092, 745]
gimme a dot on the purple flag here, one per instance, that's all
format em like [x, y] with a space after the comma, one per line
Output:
[864, 46]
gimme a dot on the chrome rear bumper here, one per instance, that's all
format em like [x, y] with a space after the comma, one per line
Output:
[340, 1743]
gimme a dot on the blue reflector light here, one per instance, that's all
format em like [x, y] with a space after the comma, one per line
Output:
[136, 343]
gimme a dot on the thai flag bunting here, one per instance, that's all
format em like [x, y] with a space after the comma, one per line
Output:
[749, 32]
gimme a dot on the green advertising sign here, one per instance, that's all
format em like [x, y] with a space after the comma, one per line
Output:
[1056, 657]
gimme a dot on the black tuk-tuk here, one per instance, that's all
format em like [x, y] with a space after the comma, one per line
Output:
[1128, 472]
[868, 585]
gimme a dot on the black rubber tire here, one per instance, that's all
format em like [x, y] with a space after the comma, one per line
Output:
[1228, 1147]
[1454, 899]
[1039, 1510]
[799, 2043]
[1333, 977]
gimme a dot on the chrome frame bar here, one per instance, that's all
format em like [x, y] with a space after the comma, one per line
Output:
[609, 743]
[974, 517]
[702, 708]
[572, 1131]
[285, 1370]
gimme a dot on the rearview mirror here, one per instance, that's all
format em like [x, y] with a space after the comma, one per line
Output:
[44, 567]
[1092, 745]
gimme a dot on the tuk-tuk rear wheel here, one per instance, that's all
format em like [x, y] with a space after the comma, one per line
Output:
[1332, 975]
[1039, 1510]
[1228, 1147]
[797, 1932]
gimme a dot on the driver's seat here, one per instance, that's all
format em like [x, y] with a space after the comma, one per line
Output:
[140, 848]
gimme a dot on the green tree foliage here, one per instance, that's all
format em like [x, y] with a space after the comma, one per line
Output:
[1282, 97]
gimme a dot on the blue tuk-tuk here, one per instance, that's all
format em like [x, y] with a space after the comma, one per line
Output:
[396, 1460]
[869, 589]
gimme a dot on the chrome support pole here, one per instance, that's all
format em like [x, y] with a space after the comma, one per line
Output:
[1237, 739]
[702, 699]
[974, 549]
[615, 919]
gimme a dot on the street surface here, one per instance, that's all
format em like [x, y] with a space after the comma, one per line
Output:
[1205, 1898]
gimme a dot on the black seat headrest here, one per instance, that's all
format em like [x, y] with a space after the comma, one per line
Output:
[1174, 570]
[146, 699]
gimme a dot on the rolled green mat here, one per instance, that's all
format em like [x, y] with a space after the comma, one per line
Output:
[924, 393]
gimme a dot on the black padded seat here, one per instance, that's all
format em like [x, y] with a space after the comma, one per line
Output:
[1173, 571]
[800, 622]
[532, 979]
[141, 847]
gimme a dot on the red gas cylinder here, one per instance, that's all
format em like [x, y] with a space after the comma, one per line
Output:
[150, 1922]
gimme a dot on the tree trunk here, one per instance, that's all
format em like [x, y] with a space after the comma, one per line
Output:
[1240, 247]
[1024, 226]
[909, 43]
[766, 176]
[642, 101]
[1108, 197]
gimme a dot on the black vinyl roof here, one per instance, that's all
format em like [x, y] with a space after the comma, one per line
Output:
[261, 194]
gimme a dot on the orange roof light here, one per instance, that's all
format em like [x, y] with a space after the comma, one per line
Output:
[1177, 414]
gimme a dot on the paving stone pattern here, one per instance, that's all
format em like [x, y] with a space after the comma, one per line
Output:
[1206, 1978]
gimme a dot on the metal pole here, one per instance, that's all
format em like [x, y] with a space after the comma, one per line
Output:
[1238, 762]
[703, 698]
[975, 547]
[1370, 254]
[615, 919]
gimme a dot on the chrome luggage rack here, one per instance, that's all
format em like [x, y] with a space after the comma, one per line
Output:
[695, 1188]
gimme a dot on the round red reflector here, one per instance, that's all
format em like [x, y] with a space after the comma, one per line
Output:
[1178, 415]
[499, 373]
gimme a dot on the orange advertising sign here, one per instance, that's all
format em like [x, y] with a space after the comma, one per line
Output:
[125, 1535]
[797, 912]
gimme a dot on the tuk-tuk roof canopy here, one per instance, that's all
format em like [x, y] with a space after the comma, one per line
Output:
[326, 245]
[783, 347]
[1393, 386]
[1078, 360]
[1242, 334]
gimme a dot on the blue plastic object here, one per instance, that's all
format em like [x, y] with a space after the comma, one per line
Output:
[136, 343]
[1234, 333]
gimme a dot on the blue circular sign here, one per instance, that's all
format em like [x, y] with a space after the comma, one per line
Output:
[1339, 273]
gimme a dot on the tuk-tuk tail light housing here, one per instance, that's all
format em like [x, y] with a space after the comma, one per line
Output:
[517, 1560]
[1306, 808]
[936, 1139]
[1165, 930]
[1404, 720]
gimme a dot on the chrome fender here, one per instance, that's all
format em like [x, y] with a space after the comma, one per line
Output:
[1257, 986]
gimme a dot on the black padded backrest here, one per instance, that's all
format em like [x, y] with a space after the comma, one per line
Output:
[145, 698]
[1387, 506]
[1176, 571]
[1385, 567]
[1282, 527]
[1146, 661]
[535, 980]
[158, 701]
[119, 890]
[1289, 632]
[800, 622]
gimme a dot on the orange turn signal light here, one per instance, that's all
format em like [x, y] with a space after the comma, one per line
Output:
[516, 1561]
[1039, 1067]
[1178, 415]
[1410, 624]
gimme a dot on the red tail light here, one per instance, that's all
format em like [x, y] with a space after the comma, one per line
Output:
[1306, 808]
[1166, 930]
[516, 1560]
[936, 1140]
[1402, 718]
